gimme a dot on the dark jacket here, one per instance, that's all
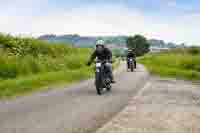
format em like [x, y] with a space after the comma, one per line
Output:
[131, 55]
[106, 54]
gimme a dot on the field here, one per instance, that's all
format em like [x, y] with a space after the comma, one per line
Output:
[179, 63]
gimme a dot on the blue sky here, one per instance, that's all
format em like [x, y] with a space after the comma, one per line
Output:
[171, 20]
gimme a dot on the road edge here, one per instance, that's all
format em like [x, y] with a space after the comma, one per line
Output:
[105, 128]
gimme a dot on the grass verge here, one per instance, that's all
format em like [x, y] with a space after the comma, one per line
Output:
[24, 85]
[179, 65]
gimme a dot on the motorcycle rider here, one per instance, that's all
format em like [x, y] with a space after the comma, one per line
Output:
[102, 53]
[131, 54]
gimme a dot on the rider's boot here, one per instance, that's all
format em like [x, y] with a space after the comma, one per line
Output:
[112, 80]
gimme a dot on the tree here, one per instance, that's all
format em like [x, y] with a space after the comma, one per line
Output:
[139, 43]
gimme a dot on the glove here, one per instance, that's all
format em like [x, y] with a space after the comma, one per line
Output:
[110, 61]
[89, 63]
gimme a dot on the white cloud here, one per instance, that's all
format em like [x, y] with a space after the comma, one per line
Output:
[172, 3]
[103, 21]
[21, 7]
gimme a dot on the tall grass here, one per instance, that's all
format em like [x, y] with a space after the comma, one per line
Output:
[27, 64]
[27, 56]
[182, 63]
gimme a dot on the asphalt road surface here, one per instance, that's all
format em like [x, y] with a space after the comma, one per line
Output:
[74, 109]
[164, 105]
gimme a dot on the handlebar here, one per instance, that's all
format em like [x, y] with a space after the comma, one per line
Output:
[104, 61]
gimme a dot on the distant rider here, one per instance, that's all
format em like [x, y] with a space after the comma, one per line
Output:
[131, 54]
[102, 53]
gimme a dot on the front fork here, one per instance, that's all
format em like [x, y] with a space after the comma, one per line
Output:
[103, 77]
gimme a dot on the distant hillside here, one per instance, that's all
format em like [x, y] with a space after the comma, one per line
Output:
[81, 41]
[161, 44]
[119, 41]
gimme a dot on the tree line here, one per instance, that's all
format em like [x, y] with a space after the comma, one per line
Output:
[139, 43]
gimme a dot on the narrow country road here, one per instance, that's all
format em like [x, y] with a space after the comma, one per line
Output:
[75, 109]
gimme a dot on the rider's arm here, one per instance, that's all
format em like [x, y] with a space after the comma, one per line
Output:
[134, 55]
[93, 56]
[127, 55]
[109, 55]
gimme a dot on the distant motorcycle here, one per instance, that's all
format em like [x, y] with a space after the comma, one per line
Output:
[130, 64]
[102, 77]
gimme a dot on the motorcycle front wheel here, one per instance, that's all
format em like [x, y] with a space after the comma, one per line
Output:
[98, 83]
[132, 69]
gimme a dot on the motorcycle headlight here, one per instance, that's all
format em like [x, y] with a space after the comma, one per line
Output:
[98, 64]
